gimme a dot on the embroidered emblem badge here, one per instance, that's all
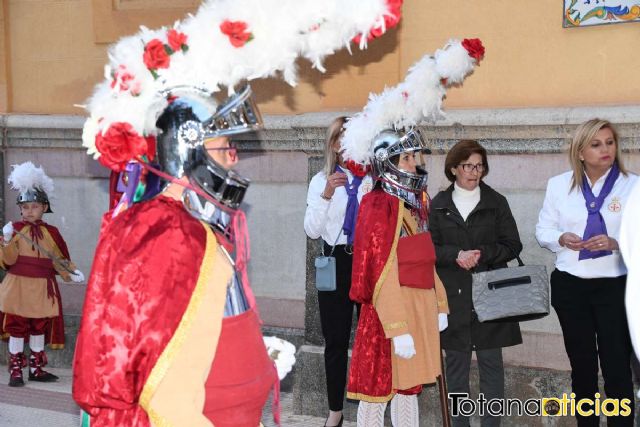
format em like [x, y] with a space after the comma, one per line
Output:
[366, 187]
[615, 205]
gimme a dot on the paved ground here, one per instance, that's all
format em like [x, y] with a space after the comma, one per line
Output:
[51, 405]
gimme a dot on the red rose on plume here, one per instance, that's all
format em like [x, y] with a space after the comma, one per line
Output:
[394, 14]
[120, 144]
[357, 169]
[474, 47]
[391, 19]
[177, 40]
[125, 81]
[237, 32]
[155, 56]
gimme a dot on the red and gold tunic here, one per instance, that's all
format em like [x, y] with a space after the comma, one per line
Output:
[395, 281]
[30, 289]
[152, 321]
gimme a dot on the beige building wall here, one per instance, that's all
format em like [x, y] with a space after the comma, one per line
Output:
[4, 44]
[52, 52]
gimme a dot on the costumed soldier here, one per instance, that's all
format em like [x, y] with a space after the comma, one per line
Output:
[33, 252]
[170, 334]
[404, 304]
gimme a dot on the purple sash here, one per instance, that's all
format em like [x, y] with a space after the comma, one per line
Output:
[351, 215]
[595, 221]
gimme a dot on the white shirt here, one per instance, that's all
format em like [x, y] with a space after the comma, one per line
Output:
[630, 249]
[324, 218]
[465, 200]
[566, 212]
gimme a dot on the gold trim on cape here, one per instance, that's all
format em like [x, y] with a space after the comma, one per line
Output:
[168, 354]
[392, 253]
[370, 399]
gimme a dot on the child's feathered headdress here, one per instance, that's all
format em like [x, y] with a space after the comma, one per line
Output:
[32, 184]
[26, 176]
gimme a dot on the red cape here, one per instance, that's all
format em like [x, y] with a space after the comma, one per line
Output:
[55, 234]
[145, 269]
[377, 233]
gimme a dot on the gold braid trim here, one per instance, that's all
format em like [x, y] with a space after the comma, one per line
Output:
[370, 399]
[394, 325]
[175, 344]
[392, 254]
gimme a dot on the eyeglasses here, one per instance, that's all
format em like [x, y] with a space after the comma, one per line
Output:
[230, 147]
[469, 167]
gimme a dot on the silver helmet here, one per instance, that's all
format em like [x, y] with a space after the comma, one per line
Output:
[388, 145]
[34, 195]
[189, 120]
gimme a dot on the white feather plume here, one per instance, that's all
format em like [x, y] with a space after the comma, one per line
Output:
[280, 31]
[419, 97]
[26, 176]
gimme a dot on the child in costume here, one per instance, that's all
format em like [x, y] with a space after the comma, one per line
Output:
[404, 304]
[170, 334]
[33, 252]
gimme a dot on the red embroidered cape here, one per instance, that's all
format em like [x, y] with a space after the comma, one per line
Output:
[54, 335]
[377, 231]
[53, 231]
[145, 269]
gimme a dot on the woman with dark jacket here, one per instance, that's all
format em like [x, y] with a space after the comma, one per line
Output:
[473, 230]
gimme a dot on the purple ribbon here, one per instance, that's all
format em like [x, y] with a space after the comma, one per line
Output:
[595, 222]
[133, 171]
[351, 215]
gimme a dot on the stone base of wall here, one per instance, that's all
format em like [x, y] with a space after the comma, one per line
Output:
[521, 382]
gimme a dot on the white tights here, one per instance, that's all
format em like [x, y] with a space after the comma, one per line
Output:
[404, 412]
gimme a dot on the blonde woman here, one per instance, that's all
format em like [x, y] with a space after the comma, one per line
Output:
[580, 222]
[332, 207]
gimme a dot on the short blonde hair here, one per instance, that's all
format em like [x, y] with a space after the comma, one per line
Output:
[583, 136]
[334, 133]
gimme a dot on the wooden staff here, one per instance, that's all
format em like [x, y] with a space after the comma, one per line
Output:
[444, 395]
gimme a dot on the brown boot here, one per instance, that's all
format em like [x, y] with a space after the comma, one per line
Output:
[37, 361]
[16, 363]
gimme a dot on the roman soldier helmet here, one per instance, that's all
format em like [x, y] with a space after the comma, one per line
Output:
[387, 126]
[190, 120]
[388, 145]
[32, 184]
[157, 105]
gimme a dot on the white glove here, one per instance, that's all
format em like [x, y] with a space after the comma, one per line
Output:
[7, 231]
[443, 321]
[404, 346]
[77, 277]
[282, 353]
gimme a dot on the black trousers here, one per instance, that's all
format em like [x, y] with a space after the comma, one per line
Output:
[594, 325]
[491, 372]
[336, 312]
